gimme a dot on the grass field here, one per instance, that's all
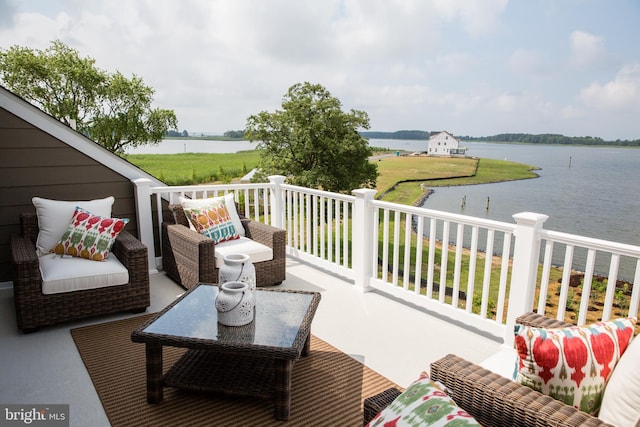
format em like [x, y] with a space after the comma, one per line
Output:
[406, 179]
[196, 168]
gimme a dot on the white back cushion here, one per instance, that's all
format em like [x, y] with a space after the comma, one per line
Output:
[54, 217]
[621, 399]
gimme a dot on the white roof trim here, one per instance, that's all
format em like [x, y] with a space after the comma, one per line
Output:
[65, 134]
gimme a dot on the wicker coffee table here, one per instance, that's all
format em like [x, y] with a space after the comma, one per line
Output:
[253, 360]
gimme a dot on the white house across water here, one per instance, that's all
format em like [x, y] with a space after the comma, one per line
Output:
[442, 143]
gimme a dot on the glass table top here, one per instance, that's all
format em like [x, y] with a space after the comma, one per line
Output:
[278, 318]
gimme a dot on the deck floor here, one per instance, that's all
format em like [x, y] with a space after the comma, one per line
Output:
[394, 339]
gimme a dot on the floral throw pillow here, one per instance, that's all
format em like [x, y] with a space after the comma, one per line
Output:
[89, 236]
[213, 221]
[572, 364]
[423, 404]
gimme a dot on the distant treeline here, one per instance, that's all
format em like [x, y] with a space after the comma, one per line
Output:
[549, 138]
[400, 134]
[545, 138]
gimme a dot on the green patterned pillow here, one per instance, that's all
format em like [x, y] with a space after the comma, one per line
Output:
[213, 221]
[89, 236]
[423, 404]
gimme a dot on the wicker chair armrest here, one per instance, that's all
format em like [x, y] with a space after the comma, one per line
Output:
[24, 259]
[540, 321]
[131, 252]
[266, 234]
[188, 244]
[497, 401]
[373, 405]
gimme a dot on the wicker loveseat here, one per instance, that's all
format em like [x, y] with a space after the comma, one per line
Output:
[35, 309]
[492, 399]
[188, 257]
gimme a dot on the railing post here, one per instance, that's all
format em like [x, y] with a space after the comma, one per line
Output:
[526, 255]
[277, 207]
[145, 219]
[362, 223]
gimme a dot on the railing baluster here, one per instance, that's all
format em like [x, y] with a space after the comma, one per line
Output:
[488, 267]
[544, 279]
[385, 245]
[457, 265]
[408, 228]
[375, 252]
[504, 271]
[444, 261]
[338, 234]
[566, 278]
[396, 248]
[472, 268]
[586, 287]
[432, 256]
[635, 293]
[419, 244]
[345, 234]
[611, 286]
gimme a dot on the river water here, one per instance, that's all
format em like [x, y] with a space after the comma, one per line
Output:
[589, 191]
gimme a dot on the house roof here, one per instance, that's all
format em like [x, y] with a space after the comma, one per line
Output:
[49, 124]
[438, 132]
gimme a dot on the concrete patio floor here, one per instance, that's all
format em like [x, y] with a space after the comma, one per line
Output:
[396, 340]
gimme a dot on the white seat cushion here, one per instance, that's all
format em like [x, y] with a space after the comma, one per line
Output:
[621, 399]
[67, 274]
[257, 251]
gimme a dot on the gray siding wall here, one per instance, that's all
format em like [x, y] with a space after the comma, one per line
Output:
[33, 163]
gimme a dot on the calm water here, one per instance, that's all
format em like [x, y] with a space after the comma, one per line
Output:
[590, 191]
[176, 146]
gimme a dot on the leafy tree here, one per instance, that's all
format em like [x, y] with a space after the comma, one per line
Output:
[234, 134]
[111, 109]
[313, 142]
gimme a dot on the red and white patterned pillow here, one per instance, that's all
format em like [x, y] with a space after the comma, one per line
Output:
[89, 236]
[572, 364]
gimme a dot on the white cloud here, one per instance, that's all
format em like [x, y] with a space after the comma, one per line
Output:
[527, 62]
[477, 17]
[587, 49]
[621, 93]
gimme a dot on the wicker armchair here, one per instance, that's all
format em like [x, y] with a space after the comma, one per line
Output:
[35, 309]
[491, 399]
[188, 257]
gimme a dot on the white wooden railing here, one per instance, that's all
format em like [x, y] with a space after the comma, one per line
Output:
[480, 272]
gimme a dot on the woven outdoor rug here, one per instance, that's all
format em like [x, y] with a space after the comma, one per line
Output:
[328, 386]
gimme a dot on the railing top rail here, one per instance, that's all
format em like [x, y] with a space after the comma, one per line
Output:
[207, 187]
[328, 194]
[463, 219]
[591, 243]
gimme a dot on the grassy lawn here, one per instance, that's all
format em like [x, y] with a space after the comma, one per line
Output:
[406, 179]
[196, 168]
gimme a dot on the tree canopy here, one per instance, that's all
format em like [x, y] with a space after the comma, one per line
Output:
[113, 110]
[313, 142]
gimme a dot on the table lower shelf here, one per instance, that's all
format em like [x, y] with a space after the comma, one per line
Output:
[209, 371]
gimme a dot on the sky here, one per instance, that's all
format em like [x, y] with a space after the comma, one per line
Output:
[470, 67]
